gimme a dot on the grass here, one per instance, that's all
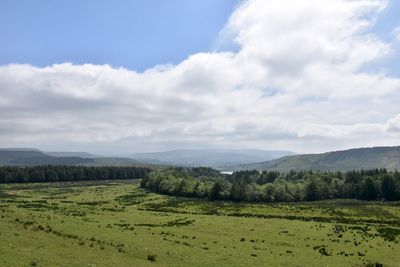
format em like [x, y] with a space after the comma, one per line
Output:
[118, 224]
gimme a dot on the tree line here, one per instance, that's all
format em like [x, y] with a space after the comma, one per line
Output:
[273, 186]
[51, 173]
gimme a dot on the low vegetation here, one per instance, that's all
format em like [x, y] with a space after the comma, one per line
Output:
[117, 223]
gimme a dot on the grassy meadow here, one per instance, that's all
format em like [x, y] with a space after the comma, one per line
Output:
[116, 223]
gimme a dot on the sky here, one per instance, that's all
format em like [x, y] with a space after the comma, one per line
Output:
[122, 77]
[126, 33]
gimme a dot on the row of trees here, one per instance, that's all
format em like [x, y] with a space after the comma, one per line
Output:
[14, 174]
[257, 186]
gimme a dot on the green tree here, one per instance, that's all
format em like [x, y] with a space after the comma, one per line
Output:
[369, 189]
[313, 189]
[216, 191]
[388, 188]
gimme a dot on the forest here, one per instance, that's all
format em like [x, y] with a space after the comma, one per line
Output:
[51, 173]
[273, 186]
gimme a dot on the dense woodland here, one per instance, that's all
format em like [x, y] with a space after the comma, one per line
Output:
[50, 173]
[255, 186]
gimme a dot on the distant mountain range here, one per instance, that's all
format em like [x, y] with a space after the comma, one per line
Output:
[36, 157]
[216, 158]
[27, 156]
[224, 160]
[352, 159]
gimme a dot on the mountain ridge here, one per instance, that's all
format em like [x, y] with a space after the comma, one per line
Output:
[28, 156]
[387, 157]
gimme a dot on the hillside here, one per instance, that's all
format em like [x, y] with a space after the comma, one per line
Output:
[217, 158]
[17, 156]
[352, 159]
[36, 157]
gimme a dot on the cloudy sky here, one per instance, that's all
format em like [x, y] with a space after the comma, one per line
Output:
[118, 77]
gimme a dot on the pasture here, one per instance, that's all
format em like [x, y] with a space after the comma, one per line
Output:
[116, 223]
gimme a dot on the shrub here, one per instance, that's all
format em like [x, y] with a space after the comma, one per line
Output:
[151, 257]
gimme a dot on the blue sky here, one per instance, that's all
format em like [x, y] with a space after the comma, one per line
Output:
[388, 19]
[304, 75]
[386, 22]
[135, 34]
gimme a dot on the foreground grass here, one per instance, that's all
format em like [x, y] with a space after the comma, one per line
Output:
[119, 224]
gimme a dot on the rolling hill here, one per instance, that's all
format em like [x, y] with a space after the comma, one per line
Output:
[352, 159]
[12, 156]
[224, 160]
[27, 156]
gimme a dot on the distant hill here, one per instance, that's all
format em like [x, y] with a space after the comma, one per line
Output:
[18, 156]
[72, 154]
[225, 160]
[216, 158]
[20, 149]
[95, 159]
[11, 156]
[346, 160]
[114, 161]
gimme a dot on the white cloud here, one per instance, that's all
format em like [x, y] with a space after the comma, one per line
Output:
[393, 124]
[296, 82]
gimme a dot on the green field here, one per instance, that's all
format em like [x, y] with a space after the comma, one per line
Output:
[119, 224]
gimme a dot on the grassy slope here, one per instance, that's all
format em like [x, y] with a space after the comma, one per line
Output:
[362, 158]
[118, 224]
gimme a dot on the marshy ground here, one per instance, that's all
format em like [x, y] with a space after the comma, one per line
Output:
[116, 223]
